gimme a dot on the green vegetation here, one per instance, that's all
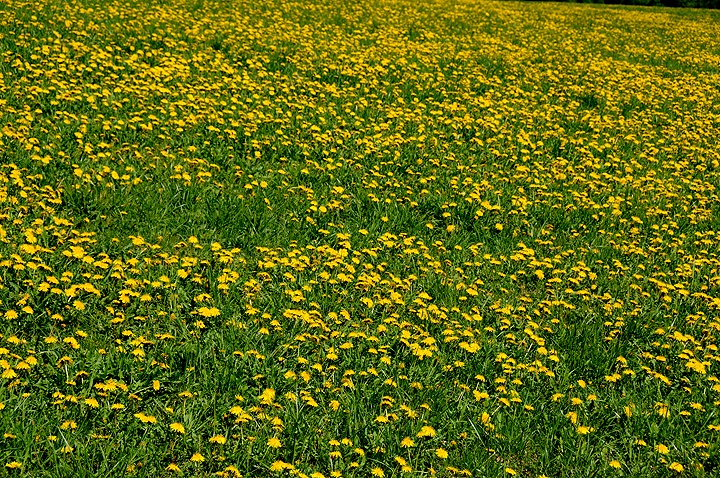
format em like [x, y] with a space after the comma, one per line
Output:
[323, 239]
[714, 4]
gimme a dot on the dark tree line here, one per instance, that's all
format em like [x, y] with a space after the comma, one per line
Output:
[656, 3]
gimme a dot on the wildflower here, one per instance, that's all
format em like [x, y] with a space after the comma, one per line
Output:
[274, 443]
[267, 397]
[407, 442]
[208, 312]
[480, 395]
[177, 427]
[69, 425]
[426, 431]
[197, 458]
[145, 418]
[441, 453]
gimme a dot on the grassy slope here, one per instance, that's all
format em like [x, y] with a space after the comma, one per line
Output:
[498, 220]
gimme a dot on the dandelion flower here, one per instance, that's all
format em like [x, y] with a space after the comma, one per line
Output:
[177, 427]
[407, 442]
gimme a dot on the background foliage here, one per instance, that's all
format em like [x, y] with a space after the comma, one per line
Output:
[714, 4]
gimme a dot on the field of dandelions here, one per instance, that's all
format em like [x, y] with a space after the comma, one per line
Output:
[352, 239]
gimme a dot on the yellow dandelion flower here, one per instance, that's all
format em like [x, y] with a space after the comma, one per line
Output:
[274, 443]
[441, 453]
[13, 464]
[208, 312]
[615, 464]
[377, 472]
[280, 466]
[426, 431]
[219, 439]
[407, 442]
[197, 458]
[173, 467]
[677, 467]
[8, 374]
[145, 418]
[480, 395]
[177, 427]
[267, 397]
[69, 425]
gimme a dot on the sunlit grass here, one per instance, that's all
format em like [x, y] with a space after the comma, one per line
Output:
[358, 239]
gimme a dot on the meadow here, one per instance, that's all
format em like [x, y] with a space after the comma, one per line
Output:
[344, 239]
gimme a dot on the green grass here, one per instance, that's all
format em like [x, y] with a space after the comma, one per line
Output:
[337, 225]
